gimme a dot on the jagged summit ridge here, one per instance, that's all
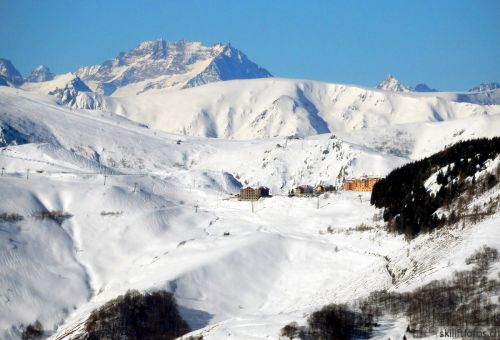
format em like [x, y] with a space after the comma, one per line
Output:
[485, 87]
[76, 93]
[39, 74]
[9, 74]
[392, 84]
[160, 64]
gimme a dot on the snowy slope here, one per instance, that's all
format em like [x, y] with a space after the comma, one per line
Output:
[132, 193]
[46, 86]
[66, 168]
[318, 158]
[267, 108]
[263, 108]
[417, 140]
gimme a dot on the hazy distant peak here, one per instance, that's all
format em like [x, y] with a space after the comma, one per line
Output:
[390, 83]
[424, 88]
[39, 74]
[9, 74]
[485, 87]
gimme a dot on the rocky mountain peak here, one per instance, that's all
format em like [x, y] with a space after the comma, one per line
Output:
[154, 50]
[485, 87]
[390, 83]
[69, 93]
[159, 64]
[9, 74]
[39, 74]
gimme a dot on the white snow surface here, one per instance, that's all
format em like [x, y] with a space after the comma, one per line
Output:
[140, 230]
[274, 107]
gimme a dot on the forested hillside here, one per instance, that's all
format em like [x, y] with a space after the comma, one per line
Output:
[465, 299]
[413, 195]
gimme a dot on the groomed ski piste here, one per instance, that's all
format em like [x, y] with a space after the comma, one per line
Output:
[148, 210]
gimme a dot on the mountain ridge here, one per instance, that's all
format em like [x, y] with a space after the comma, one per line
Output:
[484, 87]
[276, 107]
[390, 83]
[9, 74]
[39, 74]
[159, 64]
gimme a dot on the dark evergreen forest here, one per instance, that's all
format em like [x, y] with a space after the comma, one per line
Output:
[410, 209]
[152, 316]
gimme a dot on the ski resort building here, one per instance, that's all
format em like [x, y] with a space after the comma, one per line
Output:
[251, 194]
[360, 184]
[302, 190]
[319, 189]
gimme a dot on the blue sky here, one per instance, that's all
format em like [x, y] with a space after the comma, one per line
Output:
[448, 44]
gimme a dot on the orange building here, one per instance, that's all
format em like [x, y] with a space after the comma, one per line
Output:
[360, 184]
[251, 194]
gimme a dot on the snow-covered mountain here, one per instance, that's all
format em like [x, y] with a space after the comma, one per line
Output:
[152, 65]
[274, 107]
[75, 93]
[39, 74]
[160, 64]
[129, 194]
[9, 75]
[485, 87]
[392, 84]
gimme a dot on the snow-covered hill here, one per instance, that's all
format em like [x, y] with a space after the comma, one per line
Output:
[160, 64]
[279, 162]
[273, 107]
[144, 86]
